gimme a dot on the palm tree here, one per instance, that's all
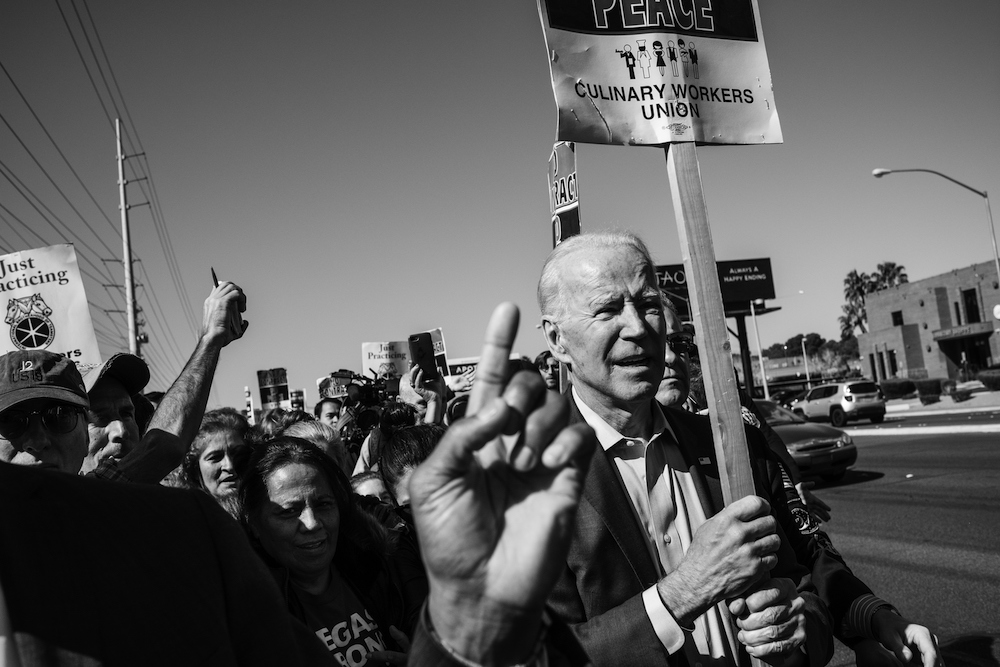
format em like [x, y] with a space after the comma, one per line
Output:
[889, 274]
[856, 285]
[853, 318]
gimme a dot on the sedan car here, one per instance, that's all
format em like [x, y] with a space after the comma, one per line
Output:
[817, 449]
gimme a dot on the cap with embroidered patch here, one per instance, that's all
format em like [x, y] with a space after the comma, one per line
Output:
[28, 374]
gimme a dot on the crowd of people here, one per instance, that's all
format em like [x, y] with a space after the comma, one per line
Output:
[507, 523]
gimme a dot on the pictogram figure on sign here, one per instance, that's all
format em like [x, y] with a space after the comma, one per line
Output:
[661, 64]
[685, 60]
[643, 57]
[672, 52]
[693, 53]
[626, 53]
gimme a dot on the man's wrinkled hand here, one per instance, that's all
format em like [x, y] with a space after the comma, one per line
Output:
[910, 643]
[771, 620]
[494, 534]
[222, 320]
[728, 553]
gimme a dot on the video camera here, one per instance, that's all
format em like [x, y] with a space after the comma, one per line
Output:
[363, 402]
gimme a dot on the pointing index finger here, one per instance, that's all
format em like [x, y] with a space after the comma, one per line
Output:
[492, 369]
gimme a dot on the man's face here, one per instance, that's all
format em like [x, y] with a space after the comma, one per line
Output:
[42, 446]
[113, 430]
[550, 373]
[612, 329]
[329, 414]
[675, 385]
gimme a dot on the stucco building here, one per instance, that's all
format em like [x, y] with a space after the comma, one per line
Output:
[934, 327]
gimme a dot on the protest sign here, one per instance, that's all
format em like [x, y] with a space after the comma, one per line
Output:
[385, 360]
[652, 73]
[440, 351]
[47, 305]
[463, 365]
[273, 385]
[564, 202]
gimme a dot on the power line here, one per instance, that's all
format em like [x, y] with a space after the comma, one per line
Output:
[55, 185]
[83, 60]
[151, 195]
[61, 154]
[11, 177]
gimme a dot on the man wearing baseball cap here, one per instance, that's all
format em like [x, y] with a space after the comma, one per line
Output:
[43, 406]
[115, 450]
[112, 425]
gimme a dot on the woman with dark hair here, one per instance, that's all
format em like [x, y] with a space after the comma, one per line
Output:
[394, 415]
[402, 452]
[336, 566]
[218, 454]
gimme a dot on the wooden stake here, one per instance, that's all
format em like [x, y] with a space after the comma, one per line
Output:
[710, 321]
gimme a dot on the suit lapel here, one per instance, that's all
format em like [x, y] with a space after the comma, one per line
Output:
[603, 490]
[694, 435]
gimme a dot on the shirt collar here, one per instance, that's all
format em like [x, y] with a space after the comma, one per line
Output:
[606, 434]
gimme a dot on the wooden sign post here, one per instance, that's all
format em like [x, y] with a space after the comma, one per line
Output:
[709, 317]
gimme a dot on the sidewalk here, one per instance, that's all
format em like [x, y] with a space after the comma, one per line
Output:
[981, 400]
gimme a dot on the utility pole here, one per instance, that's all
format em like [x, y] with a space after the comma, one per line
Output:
[130, 308]
[133, 345]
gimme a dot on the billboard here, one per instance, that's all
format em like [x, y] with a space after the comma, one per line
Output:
[655, 72]
[741, 281]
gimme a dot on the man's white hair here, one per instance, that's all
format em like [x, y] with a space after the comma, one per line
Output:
[550, 298]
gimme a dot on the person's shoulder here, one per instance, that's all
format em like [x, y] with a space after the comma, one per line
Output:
[692, 420]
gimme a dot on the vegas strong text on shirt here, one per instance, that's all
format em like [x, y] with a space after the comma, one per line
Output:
[342, 623]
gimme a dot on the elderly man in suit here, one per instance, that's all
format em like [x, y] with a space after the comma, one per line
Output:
[655, 556]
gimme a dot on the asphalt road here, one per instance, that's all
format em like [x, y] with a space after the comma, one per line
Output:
[918, 520]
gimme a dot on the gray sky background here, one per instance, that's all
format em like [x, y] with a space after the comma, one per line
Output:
[367, 170]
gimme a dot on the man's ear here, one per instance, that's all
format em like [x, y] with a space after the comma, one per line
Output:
[554, 339]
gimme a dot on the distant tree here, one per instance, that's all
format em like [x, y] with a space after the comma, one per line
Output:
[776, 351]
[853, 318]
[889, 274]
[857, 286]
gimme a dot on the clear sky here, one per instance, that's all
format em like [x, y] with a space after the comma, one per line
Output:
[367, 170]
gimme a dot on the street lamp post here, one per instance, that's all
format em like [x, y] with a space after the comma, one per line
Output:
[805, 360]
[760, 354]
[879, 173]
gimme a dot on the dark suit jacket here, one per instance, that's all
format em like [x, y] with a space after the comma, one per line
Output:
[609, 565]
[106, 573]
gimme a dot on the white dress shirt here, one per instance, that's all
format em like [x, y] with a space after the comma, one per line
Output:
[666, 504]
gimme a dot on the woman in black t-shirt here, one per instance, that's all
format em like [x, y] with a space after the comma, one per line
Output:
[339, 570]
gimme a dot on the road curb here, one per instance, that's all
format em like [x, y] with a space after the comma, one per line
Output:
[887, 431]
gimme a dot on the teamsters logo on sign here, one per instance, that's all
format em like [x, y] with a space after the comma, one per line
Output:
[650, 72]
[30, 326]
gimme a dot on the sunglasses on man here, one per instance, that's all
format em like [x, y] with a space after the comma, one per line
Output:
[681, 343]
[57, 419]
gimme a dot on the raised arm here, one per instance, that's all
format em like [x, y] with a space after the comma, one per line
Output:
[494, 530]
[178, 417]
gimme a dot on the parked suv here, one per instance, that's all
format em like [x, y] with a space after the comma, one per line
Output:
[842, 402]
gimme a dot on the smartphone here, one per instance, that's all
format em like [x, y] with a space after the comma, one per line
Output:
[422, 355]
